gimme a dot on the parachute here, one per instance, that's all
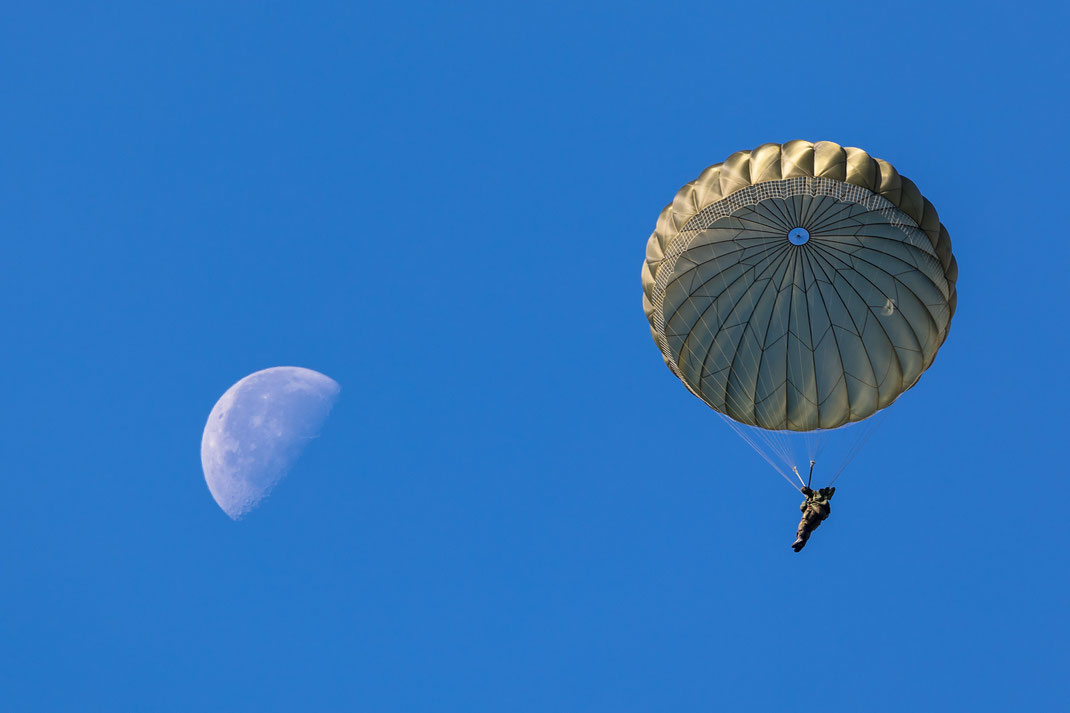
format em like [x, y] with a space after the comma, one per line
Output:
[799, 288]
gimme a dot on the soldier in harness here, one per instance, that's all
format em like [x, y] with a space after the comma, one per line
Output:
[815, 509]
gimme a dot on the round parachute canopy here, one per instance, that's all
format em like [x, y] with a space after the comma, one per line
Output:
[799, 286]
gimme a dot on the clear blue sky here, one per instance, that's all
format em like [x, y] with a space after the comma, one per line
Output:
[515, 506]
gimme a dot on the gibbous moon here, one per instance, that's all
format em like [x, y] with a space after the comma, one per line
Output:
[258, 429]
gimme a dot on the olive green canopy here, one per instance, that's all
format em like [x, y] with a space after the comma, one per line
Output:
[799, 286]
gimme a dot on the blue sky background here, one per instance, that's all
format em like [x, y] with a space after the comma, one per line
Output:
[515, 506]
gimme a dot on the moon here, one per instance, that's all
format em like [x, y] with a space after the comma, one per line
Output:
[257, 431]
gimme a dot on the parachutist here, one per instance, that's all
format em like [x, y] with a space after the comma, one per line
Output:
[815, 509]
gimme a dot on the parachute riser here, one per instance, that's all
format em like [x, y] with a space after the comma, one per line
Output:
[809, 478]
